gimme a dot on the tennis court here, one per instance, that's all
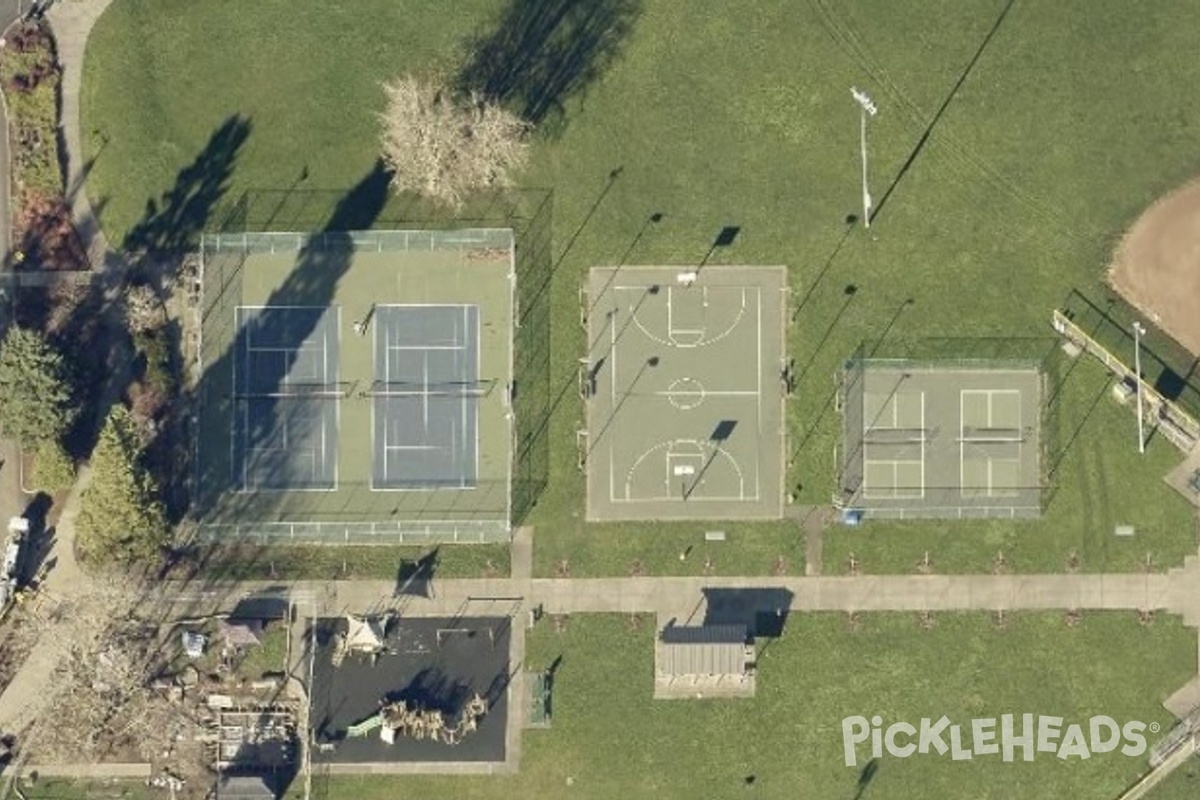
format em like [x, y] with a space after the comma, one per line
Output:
[285, 398]
[924, 440]
[684, 398]
[355, 387]
[424, 411]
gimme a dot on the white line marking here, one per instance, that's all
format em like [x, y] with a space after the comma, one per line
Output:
[924, 443]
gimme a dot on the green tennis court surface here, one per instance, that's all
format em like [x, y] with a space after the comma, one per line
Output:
[685, 404]
[355, 387]
[923, 440]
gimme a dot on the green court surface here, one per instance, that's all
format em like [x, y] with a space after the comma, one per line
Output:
[355, 388]
[942, 440]
[685, 402]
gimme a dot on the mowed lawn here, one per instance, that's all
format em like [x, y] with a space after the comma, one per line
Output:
[1067, 124]
[610, 739]
[1183, 784]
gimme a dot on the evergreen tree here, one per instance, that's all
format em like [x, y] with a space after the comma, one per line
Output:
[35, 398]
[120, 519]
[53, 470]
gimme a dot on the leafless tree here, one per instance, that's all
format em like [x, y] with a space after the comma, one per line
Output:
[99, 696]
[144, 311]
[446, 147]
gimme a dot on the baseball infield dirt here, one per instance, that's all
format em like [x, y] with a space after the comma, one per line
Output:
[1157, 266]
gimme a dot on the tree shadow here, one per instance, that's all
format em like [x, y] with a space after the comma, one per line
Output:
[87, 316]
[432, 689]
[416, 577]
[321, 263]
[542, 53]
[173, 222]
[40, 541]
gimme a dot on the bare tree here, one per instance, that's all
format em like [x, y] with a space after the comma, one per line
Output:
[144, 311]
[446, 147]
[101, 679]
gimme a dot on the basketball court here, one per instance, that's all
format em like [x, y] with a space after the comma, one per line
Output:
[683, 389]
[948, 441]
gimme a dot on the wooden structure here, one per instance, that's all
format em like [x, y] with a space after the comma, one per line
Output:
[706, 661]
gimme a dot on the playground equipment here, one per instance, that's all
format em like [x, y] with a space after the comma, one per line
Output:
[399, 719]
[363, 636]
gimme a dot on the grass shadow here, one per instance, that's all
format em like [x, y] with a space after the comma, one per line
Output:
[174, 221]
[542, 53]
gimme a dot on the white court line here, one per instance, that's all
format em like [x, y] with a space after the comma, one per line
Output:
[697, 393]
[336, 335]
[612, 351]
[670, 317]
[893, 491]
[691, 499]
[425, 396]
[668, 342]
[924, 442]
[304, 347]
[962, 445]
[425, 347]
[478, 356]
[233, 438]
[758, 384]
[376, 441]
[462, 456]
[612, 476]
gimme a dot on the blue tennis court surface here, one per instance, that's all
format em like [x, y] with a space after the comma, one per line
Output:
[285, 404]
[425, 415]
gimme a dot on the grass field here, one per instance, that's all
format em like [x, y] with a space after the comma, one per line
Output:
[614, 742]
[1184, 784]
[1037, 162]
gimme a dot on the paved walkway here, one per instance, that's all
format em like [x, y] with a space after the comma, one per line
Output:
[12, 500]
[72, 21]
[65, 587]
[1171, 592]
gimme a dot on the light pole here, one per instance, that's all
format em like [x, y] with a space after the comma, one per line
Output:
[867, 106]
[1138, 333]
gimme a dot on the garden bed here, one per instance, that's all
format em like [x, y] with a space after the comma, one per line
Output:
[44, 236]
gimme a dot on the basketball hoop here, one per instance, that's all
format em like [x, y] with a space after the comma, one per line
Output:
[360, 328]
[686, 279]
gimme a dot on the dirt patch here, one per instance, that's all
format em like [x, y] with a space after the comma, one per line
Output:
[1157, 266]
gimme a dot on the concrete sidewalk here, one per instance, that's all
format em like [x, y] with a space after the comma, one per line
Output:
[1130, 592]
[72, 21]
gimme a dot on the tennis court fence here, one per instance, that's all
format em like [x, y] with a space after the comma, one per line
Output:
[497, 239]
[391, 532]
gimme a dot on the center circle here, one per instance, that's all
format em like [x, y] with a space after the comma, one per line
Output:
[685, 393]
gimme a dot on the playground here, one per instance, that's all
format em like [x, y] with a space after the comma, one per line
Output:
[437, 685]
[684, 394]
